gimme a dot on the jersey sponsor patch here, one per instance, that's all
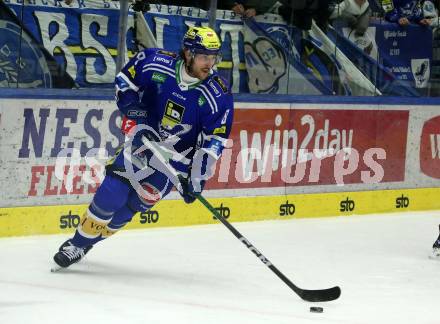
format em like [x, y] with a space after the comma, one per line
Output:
[158, 77]
[173, 115]
[162, 60]
[167, 53]
[220, 82]
[220, 130]
[214, 88]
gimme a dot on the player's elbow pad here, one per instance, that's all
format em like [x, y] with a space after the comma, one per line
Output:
[133, 111]
[128, 104]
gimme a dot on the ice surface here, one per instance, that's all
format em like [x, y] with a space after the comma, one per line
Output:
[203, 274]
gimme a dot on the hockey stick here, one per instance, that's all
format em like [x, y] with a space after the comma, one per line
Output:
[319, 295]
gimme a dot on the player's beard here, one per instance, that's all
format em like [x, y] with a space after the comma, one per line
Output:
[200, 73]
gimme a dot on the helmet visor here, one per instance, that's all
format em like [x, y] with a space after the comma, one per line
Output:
[213, 59]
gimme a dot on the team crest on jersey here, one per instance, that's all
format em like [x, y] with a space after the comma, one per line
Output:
[221, 83]
[167, 53]
[201, 100]
[173, 115]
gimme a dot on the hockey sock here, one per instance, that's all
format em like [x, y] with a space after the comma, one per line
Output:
[119, 220]
[110, 197]
[90, 228]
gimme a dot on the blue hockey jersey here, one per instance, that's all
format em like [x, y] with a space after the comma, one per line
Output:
[410, 9]
[150, 89]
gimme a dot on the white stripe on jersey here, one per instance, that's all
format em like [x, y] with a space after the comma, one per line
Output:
[126, 79]
[164, 68]
[209, 97]
[159, 70]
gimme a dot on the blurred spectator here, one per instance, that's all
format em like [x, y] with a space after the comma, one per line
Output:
[247, 8]
[239, 9]
[430, 12]
[202, 4]
[297, 12]
[406, 12]
[377, 7]
[301, 12]
[356, 13]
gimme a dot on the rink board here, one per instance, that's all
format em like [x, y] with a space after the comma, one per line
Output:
[64, 219]
[53, 152]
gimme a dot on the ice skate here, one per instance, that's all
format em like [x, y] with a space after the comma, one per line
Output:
[68, 254]
[436, 248]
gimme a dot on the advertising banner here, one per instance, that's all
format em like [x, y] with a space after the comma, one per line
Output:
[407, 52]
[303, 147]
[282, 161]
[24, 62]
[430, 148]
[82, 38]
[54, 152]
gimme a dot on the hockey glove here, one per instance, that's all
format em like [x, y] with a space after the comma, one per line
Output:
[189, 190]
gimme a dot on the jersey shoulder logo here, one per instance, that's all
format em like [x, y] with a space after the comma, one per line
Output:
[221, 83]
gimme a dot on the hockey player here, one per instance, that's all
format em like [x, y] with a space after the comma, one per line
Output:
[177, 102]
[436, 246]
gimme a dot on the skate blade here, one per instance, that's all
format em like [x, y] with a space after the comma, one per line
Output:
[56, 268]
[435, 255]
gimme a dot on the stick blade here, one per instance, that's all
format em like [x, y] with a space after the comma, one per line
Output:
[321, 295]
